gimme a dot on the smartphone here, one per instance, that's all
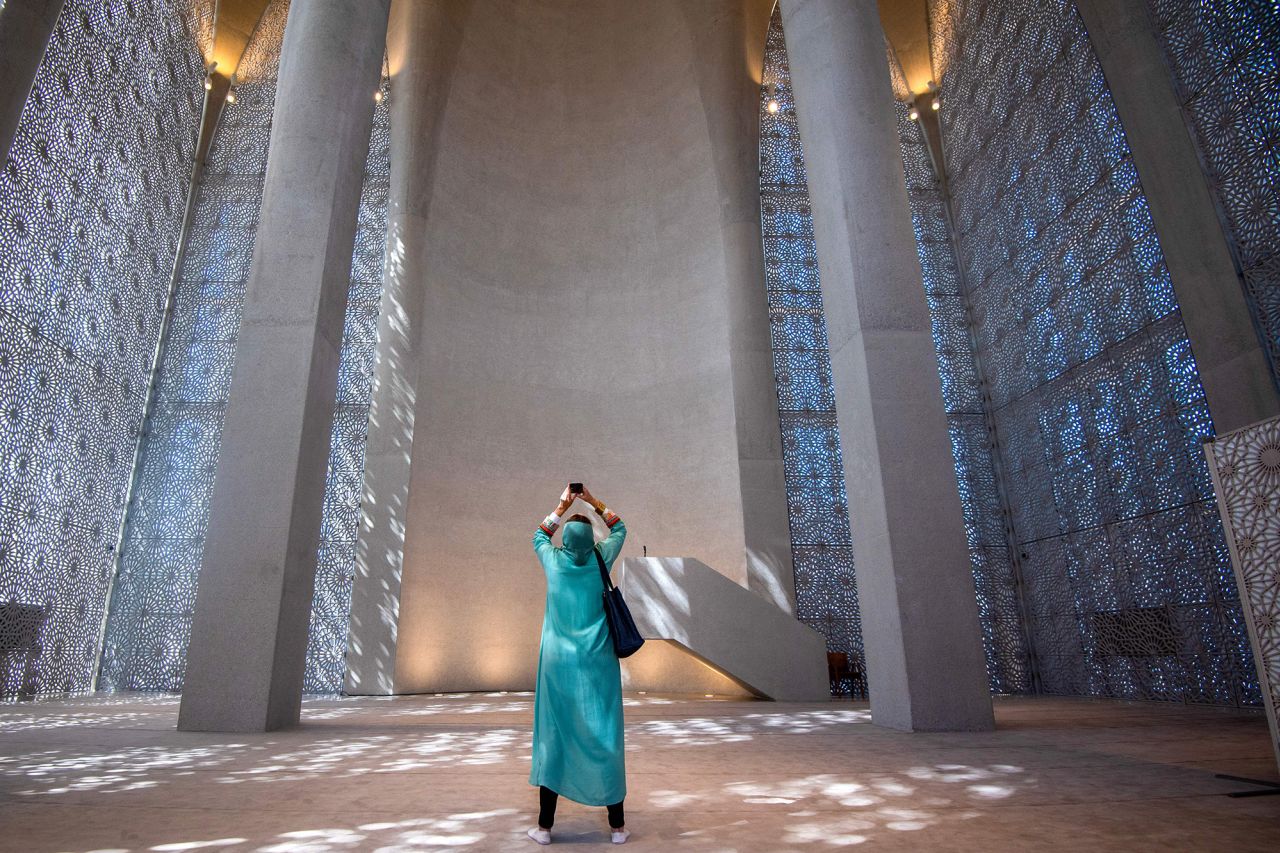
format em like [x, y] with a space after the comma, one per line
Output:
[575, 488]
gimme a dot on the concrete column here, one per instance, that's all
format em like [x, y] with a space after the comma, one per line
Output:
[249, 636]
[919, 616]
[1233, 365]
[422, 46]
[25, 27]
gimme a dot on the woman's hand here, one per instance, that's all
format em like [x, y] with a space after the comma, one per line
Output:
[591, 499]
[566, 500]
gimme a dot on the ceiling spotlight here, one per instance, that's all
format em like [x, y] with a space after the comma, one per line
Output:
[208, 83]
[773, 106]
[231, 96]
[936, 104]
[914, 115]
[377, 97]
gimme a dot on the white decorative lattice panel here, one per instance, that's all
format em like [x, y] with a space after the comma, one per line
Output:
[818, 508]
[153, 597]
[1223, 57]
[92, 195]
[1086, 374]
[1246, 476]
[969, 422]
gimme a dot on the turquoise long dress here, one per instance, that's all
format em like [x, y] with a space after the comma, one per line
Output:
[577, 709]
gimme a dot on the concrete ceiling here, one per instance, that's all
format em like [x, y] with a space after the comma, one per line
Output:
[234, 22]
[906, 24]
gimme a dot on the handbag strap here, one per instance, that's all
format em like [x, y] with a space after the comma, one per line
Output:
[604, 572]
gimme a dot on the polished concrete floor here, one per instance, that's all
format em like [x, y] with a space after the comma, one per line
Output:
[449, 773]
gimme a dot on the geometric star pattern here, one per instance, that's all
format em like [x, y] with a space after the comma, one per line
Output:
[1082, 451]
[1087, 373]
[153, 596]
[1223, 56]
[92, 197]
[1246, 465]
[817, 506]
[970, 423]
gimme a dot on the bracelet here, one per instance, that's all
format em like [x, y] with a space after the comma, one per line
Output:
[551, 520]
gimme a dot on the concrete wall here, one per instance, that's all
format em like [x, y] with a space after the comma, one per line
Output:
[588, 258]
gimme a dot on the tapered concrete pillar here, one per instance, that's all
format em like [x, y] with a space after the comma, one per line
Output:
[422, 46]
[249, 636]
[1232, 362]
[25, 27]
[920, 628]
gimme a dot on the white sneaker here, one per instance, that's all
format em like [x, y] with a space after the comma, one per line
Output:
[620, 836]
[542, 836]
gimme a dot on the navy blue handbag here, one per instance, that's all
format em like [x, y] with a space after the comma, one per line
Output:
[622, 628]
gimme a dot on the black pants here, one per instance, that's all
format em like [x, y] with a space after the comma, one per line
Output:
[547, 799]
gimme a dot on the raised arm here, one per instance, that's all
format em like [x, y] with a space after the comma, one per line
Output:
[542, 536]
[612, 544]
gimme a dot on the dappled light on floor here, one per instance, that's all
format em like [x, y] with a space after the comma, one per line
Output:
[325, 708]
[846, 808]
[116, 711]
[693, 731]
[454, 831]
[449, 772]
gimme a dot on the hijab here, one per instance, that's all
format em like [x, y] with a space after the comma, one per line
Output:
[578, 538]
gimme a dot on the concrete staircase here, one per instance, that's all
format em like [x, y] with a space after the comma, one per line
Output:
[725, 626]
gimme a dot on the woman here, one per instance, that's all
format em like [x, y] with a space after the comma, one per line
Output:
[577, 709]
